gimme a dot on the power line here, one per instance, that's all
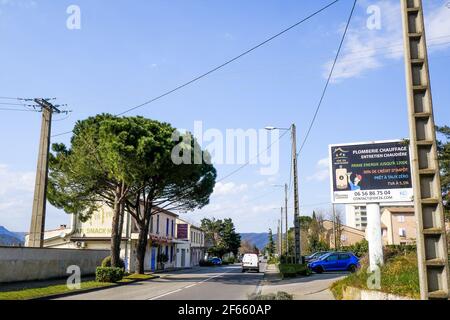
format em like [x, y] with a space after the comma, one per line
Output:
[20, 110]
[220, 66]
[229, 61]
[248, 162]
[328, 79]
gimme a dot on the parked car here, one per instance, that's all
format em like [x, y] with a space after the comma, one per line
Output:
[335, 261]
[250, 261]
[315, 256]
[216, 261]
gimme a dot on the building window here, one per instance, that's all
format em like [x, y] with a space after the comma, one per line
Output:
[151, 224]
[173, 230]
[167, 251]
[167, 227]
[402, 232]
[157, 224]
[171, 253]
[401, 219]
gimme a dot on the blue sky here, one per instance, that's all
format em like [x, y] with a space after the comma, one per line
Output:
[127, 52]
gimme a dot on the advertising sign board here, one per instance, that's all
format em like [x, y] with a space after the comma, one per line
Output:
[371, 172]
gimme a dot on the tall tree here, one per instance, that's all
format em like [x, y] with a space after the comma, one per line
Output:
[127, 163]
[271, 244]
[443, 147]
[221, 236]
[90, 173]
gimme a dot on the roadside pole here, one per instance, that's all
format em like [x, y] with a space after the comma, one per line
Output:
[281, 231]
[36, 236]
[286, 218]
[432, 248]
[373, 231]
[298, 253]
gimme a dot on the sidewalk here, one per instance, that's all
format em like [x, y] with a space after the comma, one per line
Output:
[314, 287]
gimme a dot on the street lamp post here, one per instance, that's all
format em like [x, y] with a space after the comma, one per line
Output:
[297, 246]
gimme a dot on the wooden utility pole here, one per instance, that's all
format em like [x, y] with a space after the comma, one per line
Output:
[279, 239]
[286, 218]
[281, 230]
[431, 234]
[36, 236]
[298, 254]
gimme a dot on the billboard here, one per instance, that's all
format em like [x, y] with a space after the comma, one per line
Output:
[182, 231]
[371, 172]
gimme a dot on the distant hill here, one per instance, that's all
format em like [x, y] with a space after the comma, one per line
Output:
[258, 239]
[9, 238]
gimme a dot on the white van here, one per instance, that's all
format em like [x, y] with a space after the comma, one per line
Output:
[250, 261]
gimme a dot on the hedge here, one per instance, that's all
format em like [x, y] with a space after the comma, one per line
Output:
[107, 262]
[108, 274]
[293, 270]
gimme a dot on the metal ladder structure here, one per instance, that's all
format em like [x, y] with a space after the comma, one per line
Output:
[431, 235]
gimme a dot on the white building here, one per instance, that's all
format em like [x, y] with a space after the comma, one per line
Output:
[191, 244]
[96, 234]
[356, 216]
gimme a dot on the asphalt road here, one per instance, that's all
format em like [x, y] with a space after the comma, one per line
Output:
[219, 283]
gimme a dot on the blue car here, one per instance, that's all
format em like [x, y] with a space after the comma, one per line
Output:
[335, 261]
[216, 261]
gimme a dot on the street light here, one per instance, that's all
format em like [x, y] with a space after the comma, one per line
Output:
[293, 130]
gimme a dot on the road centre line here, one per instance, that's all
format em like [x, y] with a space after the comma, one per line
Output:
[189, 286]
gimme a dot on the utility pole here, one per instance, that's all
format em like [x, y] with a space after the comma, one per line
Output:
[431, 233]
[298, 254]
[36, 236]
[281, 230]
[334, 227]
[278, 239]
[286, 217]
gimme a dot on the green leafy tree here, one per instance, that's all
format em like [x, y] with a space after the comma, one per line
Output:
[315, 236]
[443, 147]
[271, 244]
[128, 164]
[221, 236]
[91, 173]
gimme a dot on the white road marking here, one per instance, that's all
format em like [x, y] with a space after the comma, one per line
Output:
[165, 294]
[189, 286]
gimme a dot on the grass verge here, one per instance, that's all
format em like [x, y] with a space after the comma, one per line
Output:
[34, 293]
[399, 276]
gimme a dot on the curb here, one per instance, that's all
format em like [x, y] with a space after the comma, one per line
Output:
[81, 291]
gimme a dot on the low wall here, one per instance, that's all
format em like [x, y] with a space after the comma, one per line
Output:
[27, 264]
[351, 293]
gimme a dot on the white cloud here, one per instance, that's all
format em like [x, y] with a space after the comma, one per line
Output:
[368, 49]
[222, 189]
[322, 172]
[16, 200]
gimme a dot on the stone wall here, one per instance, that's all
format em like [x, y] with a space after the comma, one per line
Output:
[27, 264]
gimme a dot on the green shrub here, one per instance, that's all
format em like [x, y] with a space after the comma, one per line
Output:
[273, 260]
[272, 296]
[231, 260]
[108, 274]
[360, 249]
[293, 270]
[107, 262]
